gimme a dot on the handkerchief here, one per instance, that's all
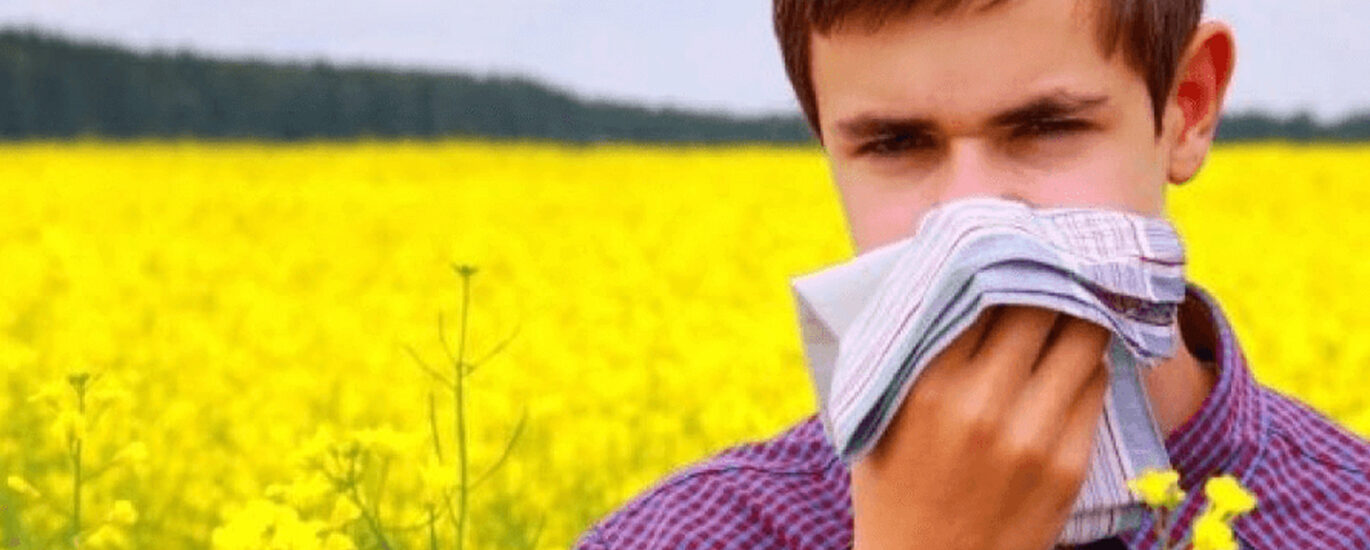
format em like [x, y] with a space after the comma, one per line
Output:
[870, 325]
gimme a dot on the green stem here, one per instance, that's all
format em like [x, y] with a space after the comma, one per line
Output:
[433, 423]
[76, 492]
[357, 499]
[461, 410]
[76, 466]
[1162, 532]
[432, 529]
[370, 520]
[380, 489]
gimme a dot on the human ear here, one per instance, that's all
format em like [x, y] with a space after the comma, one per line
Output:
[1197, 97]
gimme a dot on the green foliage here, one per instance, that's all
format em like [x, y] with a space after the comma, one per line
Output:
[54, 87]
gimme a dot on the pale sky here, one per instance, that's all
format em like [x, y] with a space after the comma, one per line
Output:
[711, 54]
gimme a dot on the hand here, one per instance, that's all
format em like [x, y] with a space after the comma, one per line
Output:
[992, 443]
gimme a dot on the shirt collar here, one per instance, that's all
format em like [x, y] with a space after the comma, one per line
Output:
[1223, 436]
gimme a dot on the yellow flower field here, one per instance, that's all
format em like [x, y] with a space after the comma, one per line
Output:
[222, 331]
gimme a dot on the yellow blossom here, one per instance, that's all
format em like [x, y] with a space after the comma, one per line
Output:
[258, 292]
[344, 511]
[19, 485]
[50, 393]
[105, 536]
[108, 394]
[437, 479]
[383, 440]
[1158, 488]
[294, 533]
[245, 526]
[277, 491]
[70, 424]
[1228, 496]
[305, 491]
[122, 513]
[133, 453]
[337, 541]
[1212, 533]
[315, 446]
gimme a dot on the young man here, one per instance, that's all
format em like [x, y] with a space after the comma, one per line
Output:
[1056, 103]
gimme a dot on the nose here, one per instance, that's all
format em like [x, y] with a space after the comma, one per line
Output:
[969, 170]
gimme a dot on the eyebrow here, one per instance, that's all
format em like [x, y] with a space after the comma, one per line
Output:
[1054, 104]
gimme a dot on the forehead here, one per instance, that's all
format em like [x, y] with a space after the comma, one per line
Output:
[962, 63]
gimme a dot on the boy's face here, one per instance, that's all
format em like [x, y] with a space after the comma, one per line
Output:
[1017, 101]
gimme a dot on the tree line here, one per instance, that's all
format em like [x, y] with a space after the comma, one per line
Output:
[55, 87]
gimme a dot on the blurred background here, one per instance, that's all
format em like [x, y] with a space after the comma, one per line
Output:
[300, 274]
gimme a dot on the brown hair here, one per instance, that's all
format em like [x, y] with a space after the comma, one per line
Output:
[1153, 33]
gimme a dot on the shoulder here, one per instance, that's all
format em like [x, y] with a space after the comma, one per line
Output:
[1299, 427]
[1316, 479]
[788, 491]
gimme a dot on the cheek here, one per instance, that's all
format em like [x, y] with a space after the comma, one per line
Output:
[879, 213]
[1123, 178]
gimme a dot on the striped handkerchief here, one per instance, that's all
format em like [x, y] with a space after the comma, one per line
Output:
[870, 325]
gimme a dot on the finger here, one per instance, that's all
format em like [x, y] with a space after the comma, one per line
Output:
[987, 318]
[1060, 481]
[949, 367]
[1075, 447]
[1077, 436]
[1067, 365]
[1011, 346]
[1042, 407]
[963, 346]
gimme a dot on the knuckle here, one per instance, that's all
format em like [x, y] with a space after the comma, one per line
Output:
[926, 397]
[976, 421]
[1064, 473]
[980, 430]
[1026, 452]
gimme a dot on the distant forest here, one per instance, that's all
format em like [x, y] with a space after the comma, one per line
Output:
[54, 87]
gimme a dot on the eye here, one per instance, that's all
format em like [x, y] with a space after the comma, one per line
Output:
[891, 146]
[1048, 127]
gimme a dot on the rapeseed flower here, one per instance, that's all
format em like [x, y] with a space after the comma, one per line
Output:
[122, 513]
[1212, 533]
[134, 453]
[70, 424]
[344, 511]
[338, 541]
[241, 297]
[106, 536]
[1158, 488]
[21, 486]
[437, 480]
[1228, 497]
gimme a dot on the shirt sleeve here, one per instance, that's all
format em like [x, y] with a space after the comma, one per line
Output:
[784, 493]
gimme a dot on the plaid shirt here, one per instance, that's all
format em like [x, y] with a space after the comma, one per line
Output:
[1312, 477]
